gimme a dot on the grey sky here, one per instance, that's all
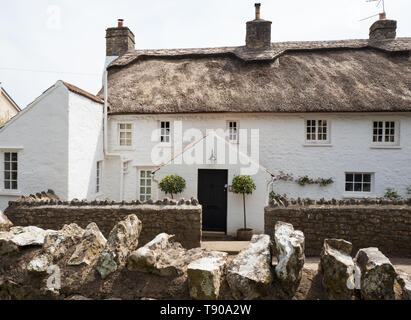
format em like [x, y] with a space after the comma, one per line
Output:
[68, 35]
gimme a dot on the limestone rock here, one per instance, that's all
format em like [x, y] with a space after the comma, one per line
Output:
[338, 269]
[39, 265]
[205, 276]
[249, 273]
[28, 236]
[377, 275]
[122, 240]
[404, 280]
[56, 243]
[160, 257]
[18, 237]
[5, 223]
[6, 245]
[90, 247]
[290, 245]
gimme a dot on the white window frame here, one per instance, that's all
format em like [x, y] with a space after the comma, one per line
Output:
[99, 176]
[10, 171]
[126, 130]
[316, 141]
[144, 196]
[236, 134]
[164, 134]
[355, 193]
[383, 143]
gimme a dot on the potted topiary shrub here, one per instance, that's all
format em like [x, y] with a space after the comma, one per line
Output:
[172, 185]
[244, 185]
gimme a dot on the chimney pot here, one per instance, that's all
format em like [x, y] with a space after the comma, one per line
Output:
[383, 16]
[120, 23]
[257, 11]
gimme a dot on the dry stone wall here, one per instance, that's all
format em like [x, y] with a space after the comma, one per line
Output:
[182, 219]
[368, 223]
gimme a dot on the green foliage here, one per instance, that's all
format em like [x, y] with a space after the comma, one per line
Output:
[278, 198]
[243, 185]
[172, 185]
[302, 181]
[391, 194]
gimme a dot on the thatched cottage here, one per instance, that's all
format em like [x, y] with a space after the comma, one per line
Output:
[326, 119]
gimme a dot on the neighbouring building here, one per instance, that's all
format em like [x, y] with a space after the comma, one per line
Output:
[8, 108]
[55, 142]
[336, 115]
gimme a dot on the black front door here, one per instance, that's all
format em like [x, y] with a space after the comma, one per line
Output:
[212, 195]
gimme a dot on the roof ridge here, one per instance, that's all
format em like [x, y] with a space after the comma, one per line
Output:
[271, 53]
[82, 92]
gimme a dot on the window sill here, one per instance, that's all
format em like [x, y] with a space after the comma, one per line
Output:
[386, 147]
[11, 193]
[359, 195]
[124, 148]
[317, 145]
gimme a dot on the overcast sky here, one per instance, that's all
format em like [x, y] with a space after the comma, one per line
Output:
[68, 36]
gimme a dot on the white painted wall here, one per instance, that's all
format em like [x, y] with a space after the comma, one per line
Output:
[59, 141]
[41, 130]
[85, 146]
[282, 148]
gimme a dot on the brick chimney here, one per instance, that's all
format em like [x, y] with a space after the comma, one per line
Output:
[383, 29]
[258, 31]
[119, 40]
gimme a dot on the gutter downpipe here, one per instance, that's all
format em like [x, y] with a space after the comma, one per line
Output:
[105, 137]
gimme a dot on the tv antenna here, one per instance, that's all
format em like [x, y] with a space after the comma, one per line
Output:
[382, 15]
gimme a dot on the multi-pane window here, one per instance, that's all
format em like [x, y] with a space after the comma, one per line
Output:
[10, 170]
[358, 182]
[233, 131]
[145, 185]
[384, 131]
[165, 131]
[317, 130]
[99, 174]
[126, 134]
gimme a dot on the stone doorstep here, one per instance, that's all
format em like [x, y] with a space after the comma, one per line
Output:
[231, 247]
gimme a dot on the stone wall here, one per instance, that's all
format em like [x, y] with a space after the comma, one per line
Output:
[382, 224]
[183, 219]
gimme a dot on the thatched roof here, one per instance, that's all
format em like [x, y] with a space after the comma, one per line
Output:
[323, 76]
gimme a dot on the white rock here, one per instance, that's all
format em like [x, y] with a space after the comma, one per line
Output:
[205, 276]
[290, 245]
[160, 256]
[57, 243]
[122, 240]
[88, 250]
[39, 265]
[28, 236]
[377, 275]
[338, 269]
[5, 223]
[249, 273]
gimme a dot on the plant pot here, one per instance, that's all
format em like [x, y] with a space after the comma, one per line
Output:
[244, 234]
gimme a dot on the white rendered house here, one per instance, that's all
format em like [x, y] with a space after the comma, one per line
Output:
[339, 111]
[54, 143]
